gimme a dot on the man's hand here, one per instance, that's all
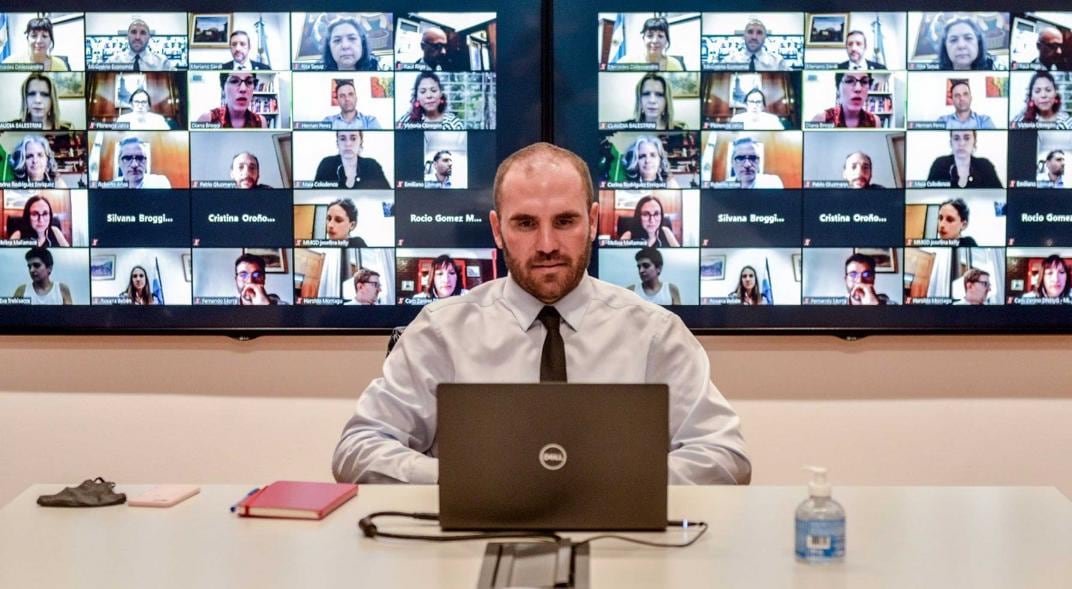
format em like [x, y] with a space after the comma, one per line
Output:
[253, 294]
[863, 294]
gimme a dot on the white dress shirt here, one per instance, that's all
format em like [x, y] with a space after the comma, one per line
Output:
[491, 335]
[149, 62]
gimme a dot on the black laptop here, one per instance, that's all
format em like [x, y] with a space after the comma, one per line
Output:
[552, 456]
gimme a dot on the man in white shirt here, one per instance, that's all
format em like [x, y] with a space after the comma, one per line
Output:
[134, 163]
[1053, 169]
[754, 57]
[746, 164]
[545, 219]
[442, 168]
[137, 53]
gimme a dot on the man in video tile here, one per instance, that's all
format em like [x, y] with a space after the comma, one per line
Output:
[240, 60]
[754, 56]
[442, 167]
[249, 280]
[976, 287]
[246, 171]
[137, 52]
[434, 46]
[1050, 46]
[135, 166]
[366, 287]
[860, 281]
[857, 171]
[855, 46]
[41, 290]
[746, 163]
[1053, 169]
[962, 116]
[349, 117]
[851, 108]
[649, 263]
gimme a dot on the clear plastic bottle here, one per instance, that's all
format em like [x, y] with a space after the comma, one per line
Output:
[820, 523]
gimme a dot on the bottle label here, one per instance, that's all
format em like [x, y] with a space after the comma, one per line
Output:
[820, 539]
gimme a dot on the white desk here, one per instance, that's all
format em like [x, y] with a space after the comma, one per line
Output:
[902, 537]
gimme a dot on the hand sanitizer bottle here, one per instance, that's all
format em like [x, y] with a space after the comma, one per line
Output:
[820, 523]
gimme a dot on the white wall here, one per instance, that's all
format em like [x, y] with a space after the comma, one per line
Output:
[879, 411]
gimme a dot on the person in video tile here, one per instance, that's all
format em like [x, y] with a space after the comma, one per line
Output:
[646, 161]
[445, 280]
[647, 224]
[434, 49]
[747, 291]
[850, 111]
[342, 221]
[754, 56]
[135, 166]
[962, 169]
[33, 162]
[1054, 283]
[855, 46]
[976, 287]
[366, 287]
[346, 47]
[1053, 170]
[755, 117]
[442, 168]
[348, 168]
[41, 290]
[40, 104]
[137, 291]
[1050, 47]
[953, 220]
[649, 263]
[1044, 104]
[141, 117]
[249, 280]
[41, 42]
[656, 34]
[240, 60]
[655, 103]
[234, 113]
[428, 105]
[857, 171]
[246, 171]
[962, 116]
[746, 164]
[348, 116]
[37, 222]
[860, 281]
[963, 47]
[137, 52]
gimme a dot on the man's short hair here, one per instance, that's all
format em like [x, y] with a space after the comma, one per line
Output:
[344, 82]
[237, 32]
[953, 83]
[1050, 156]
[741, 141]
[856, 32]
[439, 154]
[752, 20]
[251, 259]
[544, 149]
[130, 140]
[363, 275]
[866, 157]
[41, 253]
[242, 153]
[139, 21]
[973, 275]
[861, 259]
[651, 254]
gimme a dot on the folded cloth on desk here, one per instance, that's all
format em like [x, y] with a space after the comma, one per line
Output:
[91, 493]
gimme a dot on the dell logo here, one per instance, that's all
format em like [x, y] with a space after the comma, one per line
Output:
[553, 456]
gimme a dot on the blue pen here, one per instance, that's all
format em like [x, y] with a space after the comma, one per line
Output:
[235, 506]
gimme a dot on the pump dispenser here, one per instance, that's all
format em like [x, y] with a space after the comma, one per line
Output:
[820, 523]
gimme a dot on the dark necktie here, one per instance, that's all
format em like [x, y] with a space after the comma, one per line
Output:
[553, 358]
[752, 63]
[137, 62]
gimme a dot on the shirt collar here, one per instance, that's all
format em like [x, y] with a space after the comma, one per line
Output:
[525, 307]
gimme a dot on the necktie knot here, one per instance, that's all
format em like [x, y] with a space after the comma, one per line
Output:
[550, 318]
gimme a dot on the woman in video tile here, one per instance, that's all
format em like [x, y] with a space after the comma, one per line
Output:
[38, 223]
[428, 105]
[962, 169]
[953, 220]
[646, 162]
[33, 162]
[346, 47]
[656, 33]
[1054, 283]
[234, 113]
[963, 47]
[341, 222]
[647, 224]
[348, 169]
[852, 89]
[747, 291]
[141, 117]
[755, 117]
[137, 291]
[655, 103]
[40, 104]
[445, 281]
[1044, 104]
[40, 41]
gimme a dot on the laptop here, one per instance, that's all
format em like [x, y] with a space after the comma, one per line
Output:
[552, 456]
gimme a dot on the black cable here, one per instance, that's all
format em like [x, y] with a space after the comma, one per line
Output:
[680, 524]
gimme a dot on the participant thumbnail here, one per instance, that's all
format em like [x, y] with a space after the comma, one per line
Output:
[446, 161]
[150, 42]
[1036, 99]
[660, 101]
[425, 275]
[736, 218]
[846, 159]
[961, 100]
[344, 159]
[44, 43]
[42, 101]
[646, 41]
[958, 159]
[959, 276]
[1041, 41]
[855, 41]
[446, 42]
[1038, 218]
[233, 159]
[758, 159]
[854, 99]
[137, 101]
[128, 276]
[638, 160]
[751, 101]
[656, 218]
[125, 160]
[330, 101]
[240, 41]
[1048, 167]
[242, 276]
[354, 219]
[43, 160]
[955, 218]
[44, 276]
[958, 41]
[45, 218]
[750, 276]
[239, 100]
[752, 42]
[334, 276]
[852, 276]
[450, 101]
[660, 276]
[341, 41]
[1038, 276]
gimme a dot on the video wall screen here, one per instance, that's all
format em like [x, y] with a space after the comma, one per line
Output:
[799, 161]
[191, 162]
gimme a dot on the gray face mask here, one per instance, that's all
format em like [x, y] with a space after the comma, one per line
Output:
[91, 493]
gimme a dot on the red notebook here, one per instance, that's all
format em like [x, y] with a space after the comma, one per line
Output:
[296, 499]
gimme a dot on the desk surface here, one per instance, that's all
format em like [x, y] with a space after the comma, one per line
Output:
[979, 537]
